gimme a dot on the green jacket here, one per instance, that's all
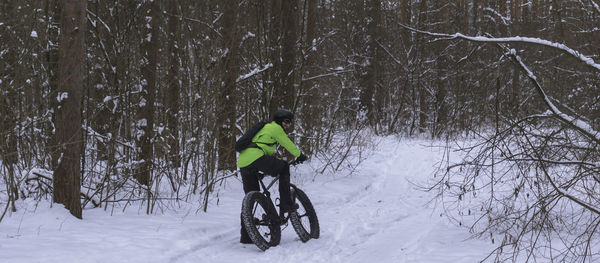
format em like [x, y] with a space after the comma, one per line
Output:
[267, 138]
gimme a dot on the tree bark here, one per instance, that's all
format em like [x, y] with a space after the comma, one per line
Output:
[312, 101]
[274, 51]
[286, 92]
[9, 102]
[71, 60]
[145, 123]
[226, 115]
[53, 10]
[174, 84]
[370, 74]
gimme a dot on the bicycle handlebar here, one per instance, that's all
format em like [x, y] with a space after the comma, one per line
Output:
[295, 162]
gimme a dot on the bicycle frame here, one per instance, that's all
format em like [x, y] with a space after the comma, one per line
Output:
[266, 188]
[266, 192]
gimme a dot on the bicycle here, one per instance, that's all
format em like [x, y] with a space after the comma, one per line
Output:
[263, 222]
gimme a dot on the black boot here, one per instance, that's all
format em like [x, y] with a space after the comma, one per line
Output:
[245, 238]
[289, 207]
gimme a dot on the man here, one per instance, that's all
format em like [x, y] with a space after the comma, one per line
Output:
[259, 157]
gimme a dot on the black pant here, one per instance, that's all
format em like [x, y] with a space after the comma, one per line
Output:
[272, 166]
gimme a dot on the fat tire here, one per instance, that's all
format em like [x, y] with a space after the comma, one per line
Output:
[309, 211]
[248, 218]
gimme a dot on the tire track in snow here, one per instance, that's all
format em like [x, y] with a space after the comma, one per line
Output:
[375, 216]
[363, 211]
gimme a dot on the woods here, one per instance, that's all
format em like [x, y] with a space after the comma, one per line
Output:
[143, 100]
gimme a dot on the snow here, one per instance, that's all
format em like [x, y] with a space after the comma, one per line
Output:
[505, 20]
[254, 72]
[248, 35]
[516, 39]
[61, 96]
[373, 215]
[142, 122]
[596, 6]
[585, 59]
[34, 34]
[588, 130]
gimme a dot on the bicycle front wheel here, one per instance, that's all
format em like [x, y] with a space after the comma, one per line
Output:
[304, 220]
[261, 220]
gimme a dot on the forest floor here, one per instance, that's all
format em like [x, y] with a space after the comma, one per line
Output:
[376, 214]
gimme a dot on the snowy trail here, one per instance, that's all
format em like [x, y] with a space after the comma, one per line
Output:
[376, 214]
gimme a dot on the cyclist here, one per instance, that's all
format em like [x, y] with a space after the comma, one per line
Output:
[259, 157]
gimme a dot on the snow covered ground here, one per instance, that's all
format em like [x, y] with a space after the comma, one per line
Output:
[374, 215]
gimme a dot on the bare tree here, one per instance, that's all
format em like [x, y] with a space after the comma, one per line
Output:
[274, 37]
[174, 83]
[68, 112]
[145, 122]
[370, 73]
[227, 87]
[284, 94]
[533, 181]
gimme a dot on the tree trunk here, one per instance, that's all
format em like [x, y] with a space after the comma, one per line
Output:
[226, 115]
[53, 10]
[66, 181]
[274, 51]
[370, 75]
[174, 85]
[423, 107]
[405, 18]
[287, 90]
[145, 123]
[8, 104]
[312, 110]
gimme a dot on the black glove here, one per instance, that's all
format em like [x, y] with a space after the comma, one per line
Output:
[301, 158]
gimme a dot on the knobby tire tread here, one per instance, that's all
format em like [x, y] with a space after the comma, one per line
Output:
[313, 231]
[250, 200]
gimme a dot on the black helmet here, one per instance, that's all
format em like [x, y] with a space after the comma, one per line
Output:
[282, 115]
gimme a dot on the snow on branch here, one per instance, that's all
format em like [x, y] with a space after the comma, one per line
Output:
[576, 123]
[335, 72]
[596, 6]
[531, 40]
[253, 72]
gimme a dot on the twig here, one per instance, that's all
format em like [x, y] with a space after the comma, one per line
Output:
[529, 40]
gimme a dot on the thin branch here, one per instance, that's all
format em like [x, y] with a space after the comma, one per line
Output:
[596, 6]
[579, 125]
[196, 21]
[582, 126]
[530, 40]
[253, 72]
[556, 188]
[335, 73]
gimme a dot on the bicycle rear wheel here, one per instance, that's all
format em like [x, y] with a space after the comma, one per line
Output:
[261, 220]
[304, 220]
